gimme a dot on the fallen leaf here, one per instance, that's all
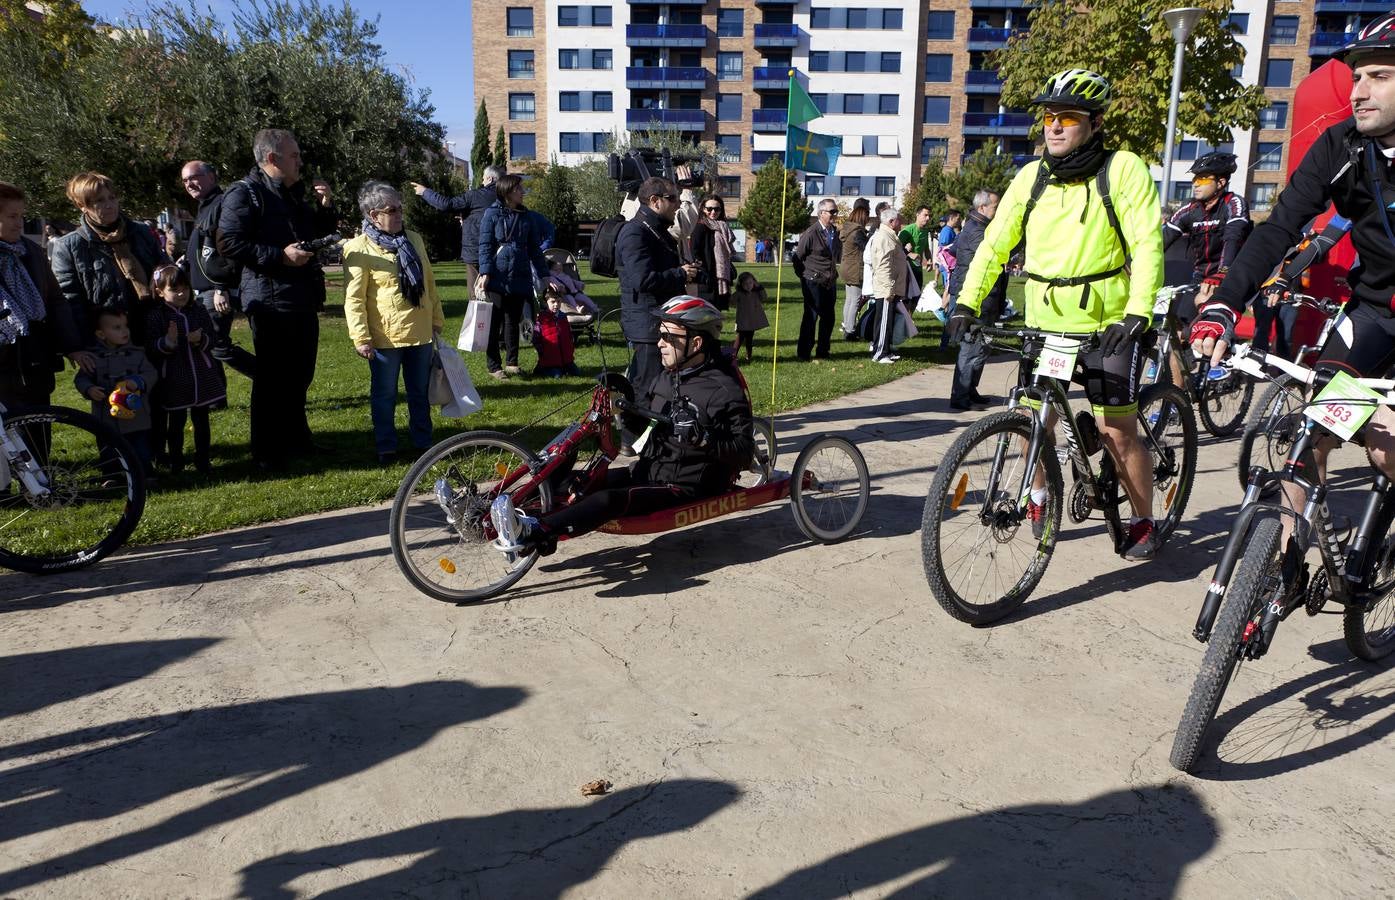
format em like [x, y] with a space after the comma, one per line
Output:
[595, 788]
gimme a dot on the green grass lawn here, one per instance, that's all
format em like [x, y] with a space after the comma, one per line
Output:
[239, 494]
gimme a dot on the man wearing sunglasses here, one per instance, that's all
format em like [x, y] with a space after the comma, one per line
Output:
[1093, 267]
[816, 257]
[1215, 223]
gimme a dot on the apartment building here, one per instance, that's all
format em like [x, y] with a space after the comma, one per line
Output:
[905, 86]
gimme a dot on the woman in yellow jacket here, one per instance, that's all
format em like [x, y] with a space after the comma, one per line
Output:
[393, 312]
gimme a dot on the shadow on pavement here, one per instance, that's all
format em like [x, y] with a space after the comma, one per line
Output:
[535, 853]
[1126, 843]
[244, 756]
[33, 681]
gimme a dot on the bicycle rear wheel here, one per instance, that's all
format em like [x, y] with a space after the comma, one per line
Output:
[1271, 431]
[982, 555]
[440, 531]
[1257, 578]
[91, 493]
[1223, 404]
[1370, 629]
[1169, 433]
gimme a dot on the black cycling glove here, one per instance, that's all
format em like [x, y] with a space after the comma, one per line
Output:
[960, 322]
[1119, 335]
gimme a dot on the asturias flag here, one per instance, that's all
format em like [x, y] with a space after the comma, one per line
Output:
[801, 106]
[816, 154]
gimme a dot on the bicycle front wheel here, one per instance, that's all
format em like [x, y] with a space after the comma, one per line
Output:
[79, 502]
[983, 553]
[441, 513]
[1223, 404]
[1169, 433]
[1271, 432]
[1257, 578]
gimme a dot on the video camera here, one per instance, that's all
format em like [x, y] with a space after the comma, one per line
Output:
[320, 244]
[630, 169]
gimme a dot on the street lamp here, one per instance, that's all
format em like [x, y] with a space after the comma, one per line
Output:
[1180, 21]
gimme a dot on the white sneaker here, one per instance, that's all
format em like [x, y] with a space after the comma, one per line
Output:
[510, 527]
[885, 360]
[444, 498]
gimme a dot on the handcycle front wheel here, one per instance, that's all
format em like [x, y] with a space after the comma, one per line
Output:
[93, 493]
[1169, 434]
[439, 516]
[829, 489]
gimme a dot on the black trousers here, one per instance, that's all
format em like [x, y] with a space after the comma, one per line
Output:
[885, 326]
[503, 329]
[286, 344]
[645, 366]
[819, 300]
[625, 494]
[224, 350]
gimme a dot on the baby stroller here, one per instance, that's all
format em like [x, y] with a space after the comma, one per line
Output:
[582, 320]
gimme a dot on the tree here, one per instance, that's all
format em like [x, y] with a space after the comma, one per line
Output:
[760, 214]
[553, 196]
[501, 152]
[480, 156]
[440, 231]
[1127, 42]
[936, 189]
[597, 196]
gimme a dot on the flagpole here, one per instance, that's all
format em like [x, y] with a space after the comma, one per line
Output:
[780, 251]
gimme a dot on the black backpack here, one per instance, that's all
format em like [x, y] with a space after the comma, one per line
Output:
[603, 247]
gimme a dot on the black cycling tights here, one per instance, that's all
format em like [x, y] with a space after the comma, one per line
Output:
[624, 495]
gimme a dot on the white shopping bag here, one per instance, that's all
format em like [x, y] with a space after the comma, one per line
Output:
[474, 332]
[464, 399]
[930, 301]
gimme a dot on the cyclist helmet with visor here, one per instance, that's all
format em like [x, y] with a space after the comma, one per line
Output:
[1220, 165]
[1378, 35]
[693, 313]
[1075, 89]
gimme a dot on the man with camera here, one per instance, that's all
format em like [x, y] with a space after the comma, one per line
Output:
[214, 278]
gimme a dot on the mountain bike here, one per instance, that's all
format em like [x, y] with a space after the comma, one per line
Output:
[1220, 400]
[71, 489]
[983, 556]
[1260, 580]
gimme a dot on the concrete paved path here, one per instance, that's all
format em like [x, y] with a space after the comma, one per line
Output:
[273, 713]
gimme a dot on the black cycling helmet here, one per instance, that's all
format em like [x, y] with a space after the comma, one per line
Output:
[694, 314]
[1378, 35]
[1222, 165]
[1077, 89]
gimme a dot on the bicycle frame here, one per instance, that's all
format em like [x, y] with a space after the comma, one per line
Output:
[17, 460]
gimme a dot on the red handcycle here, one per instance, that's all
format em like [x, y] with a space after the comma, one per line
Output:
[442, 538]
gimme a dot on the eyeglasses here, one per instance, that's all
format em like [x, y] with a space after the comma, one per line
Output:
[1204, 179]
[389, 210]
[671, 337]
[713, 208]
[1066, 119]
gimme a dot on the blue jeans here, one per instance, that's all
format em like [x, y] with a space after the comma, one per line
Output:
[415, 365]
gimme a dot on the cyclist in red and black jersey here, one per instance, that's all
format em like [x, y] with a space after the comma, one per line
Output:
[1216, 224]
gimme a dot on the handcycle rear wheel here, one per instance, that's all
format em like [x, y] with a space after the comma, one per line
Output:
[1256, 578]
[1270, 433]
[95, 493]
[981, 555]
[829, 489]
[1370, 629]
[441, 511]
[1166, 417]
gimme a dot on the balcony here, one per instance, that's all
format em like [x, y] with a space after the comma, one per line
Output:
[1323, 43]
[1012, 124]
[667, 2]
[1347, 6]
[758, 157]
[991, 38]
[665, 119]
[978, 81]
[771, 78]
[769, 120]
[665, 78]
[666, 35]
[1004, 4]
[777, 35]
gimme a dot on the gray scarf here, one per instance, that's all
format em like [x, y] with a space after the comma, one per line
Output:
[18, 295]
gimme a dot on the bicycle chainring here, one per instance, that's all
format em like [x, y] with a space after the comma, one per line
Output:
[1079, 505]
[1319, 592]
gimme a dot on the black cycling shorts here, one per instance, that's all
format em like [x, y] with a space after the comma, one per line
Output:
[1362, 343]
[1110, 382]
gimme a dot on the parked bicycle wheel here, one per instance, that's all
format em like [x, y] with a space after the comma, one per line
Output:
[1277, 420]
[1370, 629]
[983, 555]
[91, 492]
[829, 489]
[441, 512]
[1258, 578]
[1168, 429]
[1224, 403]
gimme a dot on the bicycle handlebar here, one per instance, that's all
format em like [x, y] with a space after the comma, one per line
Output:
[622, 404]
[1087, 341]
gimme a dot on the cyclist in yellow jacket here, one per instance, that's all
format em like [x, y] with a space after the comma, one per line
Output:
[1094, 264]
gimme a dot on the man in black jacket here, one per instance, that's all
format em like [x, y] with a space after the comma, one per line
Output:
[264, 218]
[471, 206]
[698, 452]
[651, 272]
[216, 280]
[1350, 167]
[816, 257]
[973, 354]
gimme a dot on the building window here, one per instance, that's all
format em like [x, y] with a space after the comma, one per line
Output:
[582, 141]
[601, 17]
[939, 67]
[523, 146]
[1238, 23]
[852, 104]
[1186, 150]
[1262, 196]
[889, 104]
[939, 26]
[933, 148]
[1276, 116]
[1271, 157]
[820, 102]
[936, 110]
[602, 59]
[1278, 73]
[1284, 30]
[885, 187]
[818, 60]
[813, 185]
[891, 62]
[728, 107]
[522, 108]
[891, 19]
[849, 185]
[857, 18]
[568, 59]
[729, 67]
[520, 21]
[820, 17]
[520, 63]
[602, 101]
[869, 145]
[728, 186]
[729, 147]
[569, 101]
[568, 16]
[730, 22]
[569, 142]
[1181, 191]
[855, 61]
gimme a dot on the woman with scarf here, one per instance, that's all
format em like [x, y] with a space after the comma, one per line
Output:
[714, 246]
[393, 312]
[35, 324]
